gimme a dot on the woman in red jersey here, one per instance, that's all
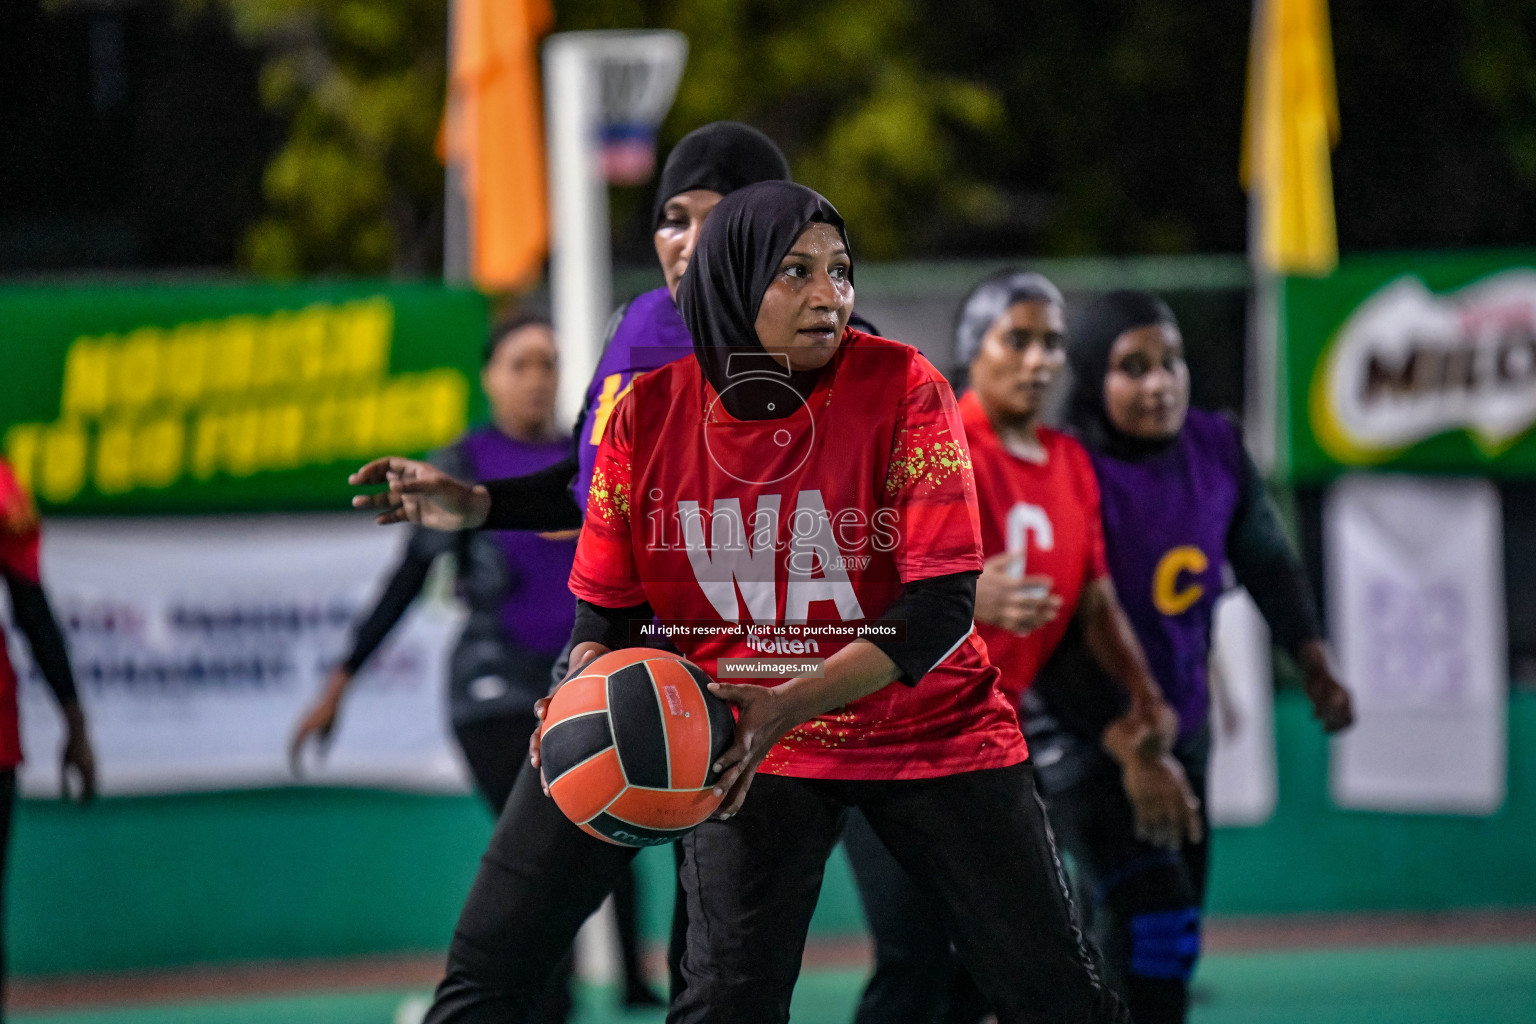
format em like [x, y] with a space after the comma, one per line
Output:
[20, 535]
[813, 482]
[1044, 569]
[1042, 534]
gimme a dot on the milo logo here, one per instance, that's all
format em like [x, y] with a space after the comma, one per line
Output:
[1409, 364]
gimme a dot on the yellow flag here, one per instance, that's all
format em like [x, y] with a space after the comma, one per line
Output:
[493, 132]
[1290, 125]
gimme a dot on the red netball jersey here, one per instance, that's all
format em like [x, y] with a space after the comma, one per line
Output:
[815, 519]
[1047, 512]
[18, 557]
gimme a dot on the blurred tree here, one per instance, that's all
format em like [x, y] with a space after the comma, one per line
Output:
[356, 185]
[843, 86]
[1501, 67]
[1122, 123]
[868, 113]
[939, 127]
[978, 127]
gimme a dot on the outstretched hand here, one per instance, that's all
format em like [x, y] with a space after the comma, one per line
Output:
[1166, 808]
[763, 717]
[319, 723]
[1331, 703]
[77, 759]
[418, 492]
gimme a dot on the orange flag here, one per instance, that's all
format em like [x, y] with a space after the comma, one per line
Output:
[493, 133]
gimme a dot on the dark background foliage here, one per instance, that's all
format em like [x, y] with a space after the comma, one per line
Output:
[293, 137]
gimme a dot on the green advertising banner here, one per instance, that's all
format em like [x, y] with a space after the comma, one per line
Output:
[1419, 363]
[227, 398]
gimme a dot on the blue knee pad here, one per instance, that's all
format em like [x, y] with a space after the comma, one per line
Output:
[1166, 944]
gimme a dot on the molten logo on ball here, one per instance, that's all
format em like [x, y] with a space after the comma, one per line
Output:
[628, 747]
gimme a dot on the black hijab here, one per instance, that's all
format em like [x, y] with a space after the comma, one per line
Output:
[722, 156]
[737, 256]
[1091, 336]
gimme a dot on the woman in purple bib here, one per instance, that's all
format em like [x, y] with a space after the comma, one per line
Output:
[1181, 499]
[513, 585]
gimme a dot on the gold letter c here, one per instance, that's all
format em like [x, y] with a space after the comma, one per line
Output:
[1166, 596]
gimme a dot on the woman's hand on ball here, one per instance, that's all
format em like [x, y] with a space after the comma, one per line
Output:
[764, 715]
[581, 656]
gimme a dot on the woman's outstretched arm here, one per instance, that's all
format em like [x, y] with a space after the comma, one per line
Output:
[1264, 562]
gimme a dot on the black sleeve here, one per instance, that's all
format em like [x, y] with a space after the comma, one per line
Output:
[537, 501]
[1264, 562]
[410, 575]
[34, 617]
[403, 587]
[938, 613]
[607, 626]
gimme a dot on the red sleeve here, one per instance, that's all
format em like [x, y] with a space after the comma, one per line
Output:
[19, 531]
[1093, 515]
[929, 483]
[604, 572]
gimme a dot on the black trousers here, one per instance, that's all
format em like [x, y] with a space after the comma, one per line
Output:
[496, 749]
[540, 878]
[917, 976]
[1146, 903]
[978, 845]
[7, 807]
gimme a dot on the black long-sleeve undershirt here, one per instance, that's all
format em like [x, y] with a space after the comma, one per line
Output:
[608, 626]
[537, 501]
[1264, 562]
[410, 576]
[939, 612]
[34, 617]
[403, 587]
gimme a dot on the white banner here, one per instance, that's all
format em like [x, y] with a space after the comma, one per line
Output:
[1416, 602]
[197, 643]
[1241, 787]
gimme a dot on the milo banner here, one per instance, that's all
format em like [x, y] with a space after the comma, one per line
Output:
[1414, 363]
[178, 399]
[198, 642]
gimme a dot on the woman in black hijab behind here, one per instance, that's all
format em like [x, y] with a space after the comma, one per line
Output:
[784, 406]
[1180, 499]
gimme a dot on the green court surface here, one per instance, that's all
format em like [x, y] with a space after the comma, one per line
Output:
[1490, 984]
